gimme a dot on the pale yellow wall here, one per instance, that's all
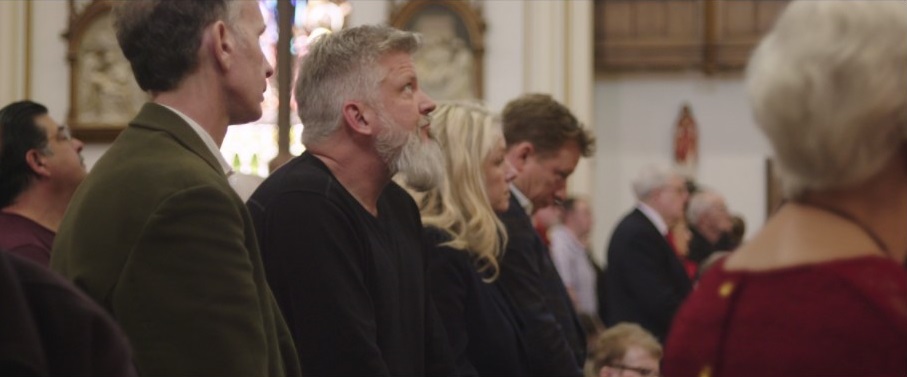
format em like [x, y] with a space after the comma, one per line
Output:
[14, 56]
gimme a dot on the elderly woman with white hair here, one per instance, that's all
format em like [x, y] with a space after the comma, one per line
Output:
[821, 290]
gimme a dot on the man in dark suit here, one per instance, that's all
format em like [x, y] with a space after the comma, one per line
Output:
[544, 144]
[155, 234]
[645, 280]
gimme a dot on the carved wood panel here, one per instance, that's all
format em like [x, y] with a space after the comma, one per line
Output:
[679, 34]
[633, 34]
[738, 27]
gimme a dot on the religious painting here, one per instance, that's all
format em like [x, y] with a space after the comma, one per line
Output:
[686, 142]
[104, 96]
[449, 64]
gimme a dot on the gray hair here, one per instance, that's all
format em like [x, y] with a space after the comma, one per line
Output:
[650, 178]
[828, 87]
[341, 67]
[700, 203]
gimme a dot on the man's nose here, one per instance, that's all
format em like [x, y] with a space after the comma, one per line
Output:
[426, 105]
[79, 144]
[270, 69]
[510, 173]
[561, 193]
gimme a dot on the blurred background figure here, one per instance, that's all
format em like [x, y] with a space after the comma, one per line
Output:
[625, 350]
[466, 240]
[710, 224]
[40, 167]
[645, 279]
[679, 237]
[570, 253]
[738, 231]
[546, 218]
[821, 289]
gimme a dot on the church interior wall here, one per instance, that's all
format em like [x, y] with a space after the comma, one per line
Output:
[635, 116]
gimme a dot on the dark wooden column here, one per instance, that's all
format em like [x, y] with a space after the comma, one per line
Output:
[285, 12]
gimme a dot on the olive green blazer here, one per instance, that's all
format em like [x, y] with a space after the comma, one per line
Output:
[157, 236]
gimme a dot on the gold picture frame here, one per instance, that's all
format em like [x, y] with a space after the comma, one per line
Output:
[103, 94]
[450, 62]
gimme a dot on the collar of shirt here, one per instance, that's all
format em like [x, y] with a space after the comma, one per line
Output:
[524, 201]
[207, 139]
[654, 217]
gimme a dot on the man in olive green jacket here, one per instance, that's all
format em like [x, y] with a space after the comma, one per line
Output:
[155, 234]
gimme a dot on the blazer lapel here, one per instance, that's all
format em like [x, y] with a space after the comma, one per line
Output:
[156, 117]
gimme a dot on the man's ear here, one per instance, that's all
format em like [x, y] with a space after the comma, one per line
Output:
[518, 155]
[222, 43]
[357, 118]
[35, 161]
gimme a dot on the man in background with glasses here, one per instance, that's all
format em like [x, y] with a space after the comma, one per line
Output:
[40, 167]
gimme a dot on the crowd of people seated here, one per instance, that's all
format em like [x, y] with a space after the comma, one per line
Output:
[415, 238]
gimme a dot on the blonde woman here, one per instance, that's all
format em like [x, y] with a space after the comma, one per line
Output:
[466, 240]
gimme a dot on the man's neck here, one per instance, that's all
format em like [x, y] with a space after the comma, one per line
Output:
[46, 210]
[362, 175]
[199, 101]
[655, 217]
[522, 199]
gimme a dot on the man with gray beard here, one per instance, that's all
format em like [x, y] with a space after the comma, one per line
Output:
[341, 242]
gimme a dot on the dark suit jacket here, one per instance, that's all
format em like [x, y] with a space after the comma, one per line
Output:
[646, 282]
[701, 249]
[157, 236]
[554, 337]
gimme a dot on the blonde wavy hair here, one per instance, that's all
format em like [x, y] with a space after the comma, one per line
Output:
[460, 206]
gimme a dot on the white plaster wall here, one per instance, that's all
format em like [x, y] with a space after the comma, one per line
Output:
[49, 71]
[634, 121]
[504, 51]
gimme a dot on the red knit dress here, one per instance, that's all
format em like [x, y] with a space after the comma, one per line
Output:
[840, 318]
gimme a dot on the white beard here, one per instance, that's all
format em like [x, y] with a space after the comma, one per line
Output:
[420, 163]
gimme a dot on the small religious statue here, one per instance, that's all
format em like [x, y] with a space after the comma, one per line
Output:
[686, 142]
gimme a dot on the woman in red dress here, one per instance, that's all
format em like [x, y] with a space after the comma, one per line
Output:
[821, 290]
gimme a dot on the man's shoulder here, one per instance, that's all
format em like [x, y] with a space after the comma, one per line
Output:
[303, 178]
[634, 222]
[152, 157]
[634, 227]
